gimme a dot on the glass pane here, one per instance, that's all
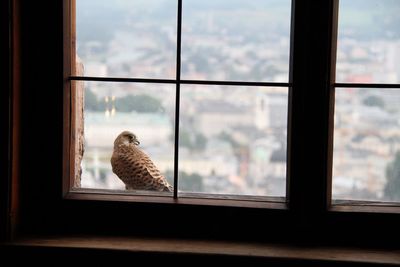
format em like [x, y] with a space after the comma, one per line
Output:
[127, 38]
[233, 140]
[236, 40]
[368, 41]
[366, 159]
[110, 109]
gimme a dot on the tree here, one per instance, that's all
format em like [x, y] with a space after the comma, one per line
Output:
[184, 139]
[228, 138]
[139, 103]
[392, 187]
[190, 182]
[374, 101]
[194, 142]
[200, 142]
[187, 182]
[91, 101]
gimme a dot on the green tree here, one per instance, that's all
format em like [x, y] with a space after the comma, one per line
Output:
[392, 187]
[195, 142]
[139, 103]
[190, 182]
[374, 101]
[91, 101]
[228, 138]
[200, 142]
[187, 182]
[184, 139]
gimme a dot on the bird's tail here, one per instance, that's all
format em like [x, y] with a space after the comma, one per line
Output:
[168, 188]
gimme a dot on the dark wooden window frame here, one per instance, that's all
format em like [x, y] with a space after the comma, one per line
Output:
[73, 76]
[46, 206]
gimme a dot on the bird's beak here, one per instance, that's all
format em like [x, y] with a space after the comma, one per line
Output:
[137, 142]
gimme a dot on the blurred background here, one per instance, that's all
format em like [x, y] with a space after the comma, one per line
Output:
[233, 138]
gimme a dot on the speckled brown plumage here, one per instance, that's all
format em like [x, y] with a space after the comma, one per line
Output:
[134, 167]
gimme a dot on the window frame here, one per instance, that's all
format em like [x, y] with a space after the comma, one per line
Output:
[46, 207]
[354, 205]
[72, 76]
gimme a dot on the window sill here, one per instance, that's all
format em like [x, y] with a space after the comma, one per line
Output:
[184, 199]
[365, 206]
[217, 248]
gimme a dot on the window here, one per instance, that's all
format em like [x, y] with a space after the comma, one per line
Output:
[225, 96]
[367, 130]
[35, 206]
[306, 215]
[216, 73]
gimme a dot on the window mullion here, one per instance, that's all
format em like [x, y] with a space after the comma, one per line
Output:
[177, 100]
[310, 152]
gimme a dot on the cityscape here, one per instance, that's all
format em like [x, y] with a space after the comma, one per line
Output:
[233, 139]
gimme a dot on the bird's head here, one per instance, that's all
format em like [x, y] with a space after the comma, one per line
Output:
[126, 138]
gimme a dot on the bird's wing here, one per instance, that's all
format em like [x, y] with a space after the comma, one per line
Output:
[124, 167]
[137, 171]
[157, 180]
[158, 183]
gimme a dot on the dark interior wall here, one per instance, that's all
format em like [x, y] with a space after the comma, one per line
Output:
[41, 108]
[4, 114]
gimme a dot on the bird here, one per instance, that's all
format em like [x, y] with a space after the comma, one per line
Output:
[134, 167]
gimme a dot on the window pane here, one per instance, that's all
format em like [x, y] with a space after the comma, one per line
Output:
[127, 38]
[236, 40]
[233, 140]
[366, 159]
[368, 41]
[111, 108]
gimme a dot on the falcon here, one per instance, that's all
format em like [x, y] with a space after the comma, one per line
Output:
[134, 167]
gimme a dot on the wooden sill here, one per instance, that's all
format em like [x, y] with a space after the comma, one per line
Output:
[365, 206]
[222, 248]
[184, 199]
